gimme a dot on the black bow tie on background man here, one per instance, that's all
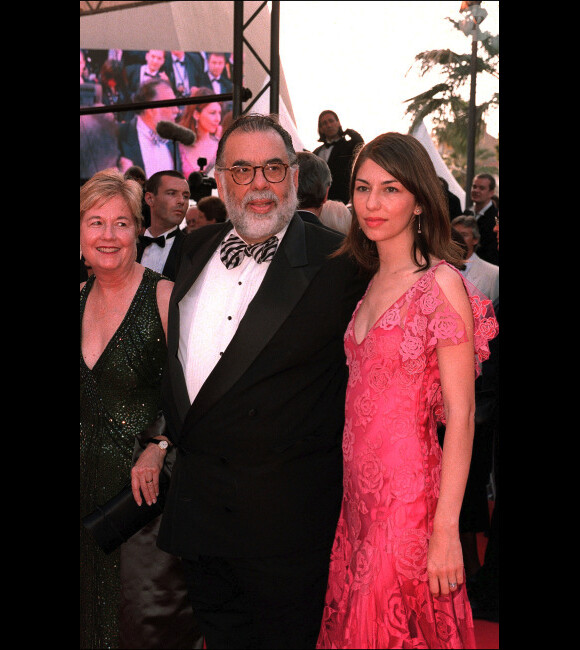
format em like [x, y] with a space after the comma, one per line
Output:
[160, 241]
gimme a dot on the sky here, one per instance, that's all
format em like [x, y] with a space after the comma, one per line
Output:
[358, 59]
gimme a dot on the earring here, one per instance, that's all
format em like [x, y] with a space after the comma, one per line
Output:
[418, 213]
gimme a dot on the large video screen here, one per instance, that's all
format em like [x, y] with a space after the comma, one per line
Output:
[129, 138]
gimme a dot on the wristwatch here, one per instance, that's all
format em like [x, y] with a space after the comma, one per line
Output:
[162, 444]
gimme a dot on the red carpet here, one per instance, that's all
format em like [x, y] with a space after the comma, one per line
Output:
[486, 633]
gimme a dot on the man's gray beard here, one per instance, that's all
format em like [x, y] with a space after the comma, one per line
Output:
[253, 227]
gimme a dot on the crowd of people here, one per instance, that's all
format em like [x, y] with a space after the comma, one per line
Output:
[310, 357]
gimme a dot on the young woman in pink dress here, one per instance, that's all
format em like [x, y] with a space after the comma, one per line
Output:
[413, 347]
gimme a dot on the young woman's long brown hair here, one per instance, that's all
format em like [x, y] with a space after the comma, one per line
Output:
[405, 158]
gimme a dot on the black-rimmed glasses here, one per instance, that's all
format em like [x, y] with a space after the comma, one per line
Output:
[244, 174]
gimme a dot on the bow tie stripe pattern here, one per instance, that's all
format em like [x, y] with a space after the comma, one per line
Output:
[160, 241]
[234, 250]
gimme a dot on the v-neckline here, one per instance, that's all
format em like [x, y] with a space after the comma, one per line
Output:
[119, 329]
[382, 314]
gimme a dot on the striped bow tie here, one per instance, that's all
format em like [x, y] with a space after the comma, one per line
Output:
[234, 249]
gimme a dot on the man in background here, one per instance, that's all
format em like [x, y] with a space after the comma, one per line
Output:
[139, 74]
[338, 151]
[209, 209]
[482, 274]
[216, 79]
[167, 195]
[484, 210]
[139, 142]
[184, 70]
[314, 182]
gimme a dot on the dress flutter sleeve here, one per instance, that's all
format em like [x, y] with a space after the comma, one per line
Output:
[447, 327]
[485, 324]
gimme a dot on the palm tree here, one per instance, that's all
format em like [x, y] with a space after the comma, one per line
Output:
[448, 110]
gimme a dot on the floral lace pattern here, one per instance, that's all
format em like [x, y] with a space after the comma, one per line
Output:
[378, 593]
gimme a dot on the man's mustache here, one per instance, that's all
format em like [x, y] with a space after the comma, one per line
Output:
[257, 195]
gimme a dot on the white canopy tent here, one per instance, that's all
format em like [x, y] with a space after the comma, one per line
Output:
[441, 168]
[263, 106]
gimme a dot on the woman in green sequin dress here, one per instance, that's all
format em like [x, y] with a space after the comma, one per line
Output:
[134, 597]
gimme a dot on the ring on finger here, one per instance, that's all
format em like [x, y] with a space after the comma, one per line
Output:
[453, 585]
[146, 481]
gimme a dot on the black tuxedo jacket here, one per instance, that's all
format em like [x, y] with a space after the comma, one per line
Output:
[170, 268]
[226, 84]
[193, 62]
[259, 461]
[134, 76]
[340, 163]
[487, 248]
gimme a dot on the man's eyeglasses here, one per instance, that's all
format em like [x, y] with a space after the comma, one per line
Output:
[244, 174]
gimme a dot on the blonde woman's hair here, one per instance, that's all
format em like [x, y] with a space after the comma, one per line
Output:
[108, 184]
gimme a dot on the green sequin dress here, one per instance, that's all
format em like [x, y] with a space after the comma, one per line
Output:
[134, 597]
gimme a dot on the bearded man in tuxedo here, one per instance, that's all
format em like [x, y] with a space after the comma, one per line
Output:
[253, 398]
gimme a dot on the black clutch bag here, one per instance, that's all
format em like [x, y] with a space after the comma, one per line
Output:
[120, 518]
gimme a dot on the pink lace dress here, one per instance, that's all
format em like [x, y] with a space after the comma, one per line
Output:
[378, 592]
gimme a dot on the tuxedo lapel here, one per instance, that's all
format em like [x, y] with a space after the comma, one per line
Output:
[286, 280]
[173, 255]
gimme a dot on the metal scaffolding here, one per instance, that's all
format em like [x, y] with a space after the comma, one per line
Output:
[239, 94]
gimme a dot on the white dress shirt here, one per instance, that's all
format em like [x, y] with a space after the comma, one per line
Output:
[210, 312]
[154, 257]
[145, 74]
[181, 76]
[481, 212]
[484, 275]
[325, 152]
[154, 149]
[215, 84]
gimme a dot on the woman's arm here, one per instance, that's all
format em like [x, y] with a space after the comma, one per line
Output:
[457, 372]
[146, 471]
